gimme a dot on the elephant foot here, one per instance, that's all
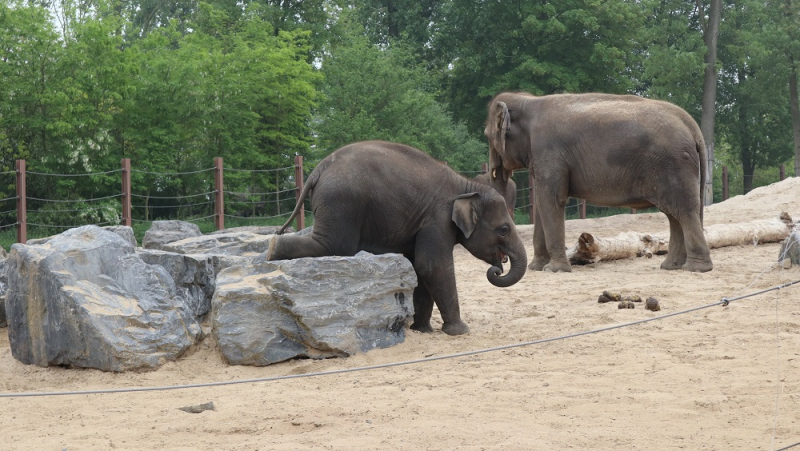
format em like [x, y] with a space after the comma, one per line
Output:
[538, 264]
[271, 248]
[422, 327]
[557, 267]
[701, 266]
[455, 328]
[671, 265]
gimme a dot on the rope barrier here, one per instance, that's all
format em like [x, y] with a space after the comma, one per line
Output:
[724, 302]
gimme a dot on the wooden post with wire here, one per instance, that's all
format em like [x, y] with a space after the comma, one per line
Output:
[219, 195]
[126, 192]
[298, 183]
[22, 205]
[532, 205]
[783, 172]
[583, 208]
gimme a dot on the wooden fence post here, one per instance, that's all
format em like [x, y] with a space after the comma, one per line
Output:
[783, 172]
[219, 195]
[298, 183]
[126, 192]
[724, 183]
[633, 211]
[583, 208]
[532, 205]
[22, 205]
[485, 168]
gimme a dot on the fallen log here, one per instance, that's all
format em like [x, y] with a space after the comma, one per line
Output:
[591, 249]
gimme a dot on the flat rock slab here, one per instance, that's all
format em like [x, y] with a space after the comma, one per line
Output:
[324, 307]
[85, 299]
[242, 244]
[162, 233]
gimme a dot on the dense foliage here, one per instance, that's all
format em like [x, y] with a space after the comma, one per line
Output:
[172, 84]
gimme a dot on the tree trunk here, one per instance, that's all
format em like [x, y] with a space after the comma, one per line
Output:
[710, 33]
[590, 249]
[795, 116]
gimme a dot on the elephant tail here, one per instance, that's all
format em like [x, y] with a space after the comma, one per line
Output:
[701, 151]
[307, 187]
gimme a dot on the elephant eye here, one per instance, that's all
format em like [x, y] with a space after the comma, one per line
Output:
[503, 230]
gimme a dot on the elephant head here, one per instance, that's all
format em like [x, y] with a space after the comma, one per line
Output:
[488, 233]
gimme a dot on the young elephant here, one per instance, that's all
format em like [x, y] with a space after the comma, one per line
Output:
[622, 151]
[384, 197]
[509, 193]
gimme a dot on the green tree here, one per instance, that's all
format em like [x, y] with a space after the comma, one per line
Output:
[375, 92]
[754, 101]
[540, 47]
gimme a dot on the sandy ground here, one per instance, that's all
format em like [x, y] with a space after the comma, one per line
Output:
[718, 378]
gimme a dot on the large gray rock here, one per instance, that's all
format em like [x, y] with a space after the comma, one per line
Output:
[162, 233]
[125, 232]
[85, 299]
[312, 307]
[258, 230]
[790, 250]
[242, 244]
[194, 276]
[3, 286]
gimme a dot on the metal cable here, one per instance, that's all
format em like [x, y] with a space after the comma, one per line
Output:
[74, 175]
[8, 172]
[259, 194]
[258, 217]
[724, 302]
[172, 206]
[171, 173]
[75, 200]
[69, 226]
[142, 196]
[9, 198]
[9, 225]
[258, 170]
[8, 211]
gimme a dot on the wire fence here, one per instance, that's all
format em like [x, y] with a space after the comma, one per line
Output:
[246, 197]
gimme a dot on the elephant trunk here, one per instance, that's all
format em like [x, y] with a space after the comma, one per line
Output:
[519, 263]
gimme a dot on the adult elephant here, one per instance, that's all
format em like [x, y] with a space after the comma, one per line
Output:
[622, 151]
[384, 197]
[509, 193]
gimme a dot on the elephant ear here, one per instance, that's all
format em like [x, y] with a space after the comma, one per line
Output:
[500, 122]
[465, 213]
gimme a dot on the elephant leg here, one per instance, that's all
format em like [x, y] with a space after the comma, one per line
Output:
[433, 263]
[423, 308]
[698, 256]
[676, 252]
[551, 199]
[287, 247]
[540, 255]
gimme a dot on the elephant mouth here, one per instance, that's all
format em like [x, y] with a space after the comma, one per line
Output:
[498, 259]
